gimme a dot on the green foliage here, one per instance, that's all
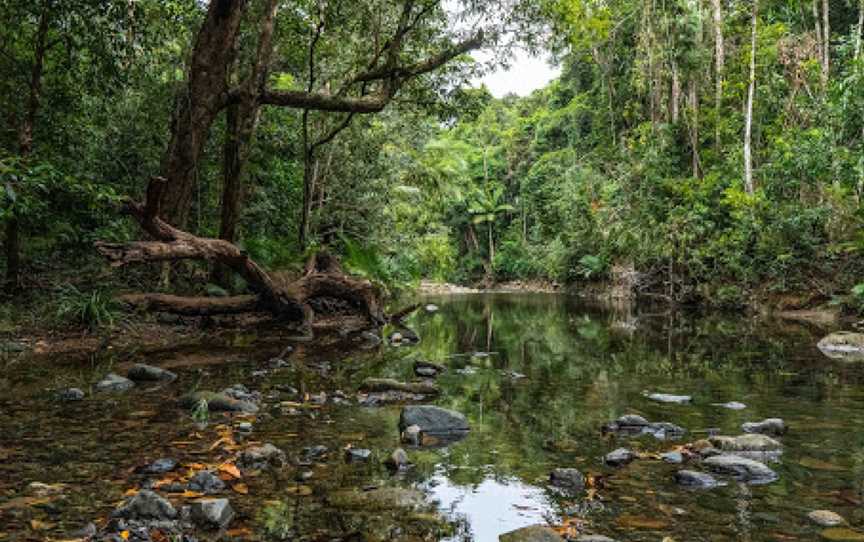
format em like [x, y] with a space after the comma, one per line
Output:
[96, 310]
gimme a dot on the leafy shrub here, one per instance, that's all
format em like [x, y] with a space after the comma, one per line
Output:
[94, 310]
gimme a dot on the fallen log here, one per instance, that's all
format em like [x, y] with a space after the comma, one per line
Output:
[323, 290]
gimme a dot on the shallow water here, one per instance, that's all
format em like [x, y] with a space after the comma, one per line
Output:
[550, 372]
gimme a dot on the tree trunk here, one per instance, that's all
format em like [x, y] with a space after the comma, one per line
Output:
[25, 143]
[693, 93]
[826, 44]
[860, 29]
[205, 95]
[719, 67]
[751, 93]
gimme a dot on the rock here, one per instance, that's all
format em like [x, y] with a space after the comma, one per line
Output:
[768, 426]
[311, 453]
[398, 460]
[843, 345]
[741, 468]
[568, 479]
[206, 482]
[377, 500]
[244, 427]
[826, 518]
[86, 532]
[593, 538]
[147, 373]
[631, 420]
[672, 457]
[412, 435]
[357, 455]
[388, 397]
[433, 420]
[146, 505]
[396, 337]
[751, 442]
[619, 457]
[217, 402]
[212, 513]
[731, 405]
[70, 394]
[39, 489]
[667, 398]
[260, 457]
[373, 385]
[632, 424]
[431, 308]
[427, 369]
[663, 430]
[691, 478]
[242, 393]
[114, 383]
[534, 533]
[160, 466]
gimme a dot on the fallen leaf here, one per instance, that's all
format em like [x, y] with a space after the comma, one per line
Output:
[124, 535]
[842, 534]
[230, 469]
[131, 492]
[300, 490]
[241, 532]
[38, 525]
[242, 489]
[191, 494]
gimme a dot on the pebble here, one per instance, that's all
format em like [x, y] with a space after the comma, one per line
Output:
[114, 383]
[206, 482]
[619, 457]
[70, 394]
[160, 466]
[141, 372]
[768, 426]
[213, 513]
[668, 398]
[357, 455]
[398, 460]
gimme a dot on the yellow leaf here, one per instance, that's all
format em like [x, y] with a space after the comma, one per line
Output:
[131, 492]
[38, 525]
[124, 535]
[191, 494]
[230, 469]
[302, 491]
[242, 489]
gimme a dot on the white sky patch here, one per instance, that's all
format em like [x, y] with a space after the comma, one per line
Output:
[526, 74]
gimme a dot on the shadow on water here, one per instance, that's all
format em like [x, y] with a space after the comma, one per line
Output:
[536, 375]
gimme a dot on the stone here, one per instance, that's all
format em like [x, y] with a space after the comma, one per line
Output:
[206, 482]
[631, 420]
[741, 468]
[114, 383]
[433, 420]
[750, 442]
[768, 426]
[663, 430]
[378, 385]
[357, 455]
[533, 533]
[843, 345]
[160, 466]
[619, 457]
[212, 513]
[427, 369]
[70, 394]
[398, 460]
[141, 372]
[700, 480]
[396, 337]
[567, 478]
[412, 435]
[731, 405]
[593, 538]
[146, 505]
[668, 398]
[86, 532]
[244, 427]
[260, 457]
[674, 458]
[826, 518]
[431, 308]
[314, 452]
[217, 402]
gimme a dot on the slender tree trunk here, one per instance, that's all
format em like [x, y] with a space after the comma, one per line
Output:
[860, 30]
[751, 94]
[675, 99]
[826, 44]
[719, 67]
[491, 244]
[694, 126]
[25, 143]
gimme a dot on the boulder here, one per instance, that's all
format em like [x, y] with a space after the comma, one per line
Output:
[534, 533]
[146, 505]
[700, 480]
[70, 394]
[217, 402]
[826, 518]
[433, 420]
[750, 442]
[260, 457]
[619, 457]
[212, 513]
[357, 455]
[141, 372]
[114, 383]
[843, 345]
[768, 426]
[206, 482]
[741, 468]
[568, 479]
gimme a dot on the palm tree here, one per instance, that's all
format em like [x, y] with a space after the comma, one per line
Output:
[485, 206]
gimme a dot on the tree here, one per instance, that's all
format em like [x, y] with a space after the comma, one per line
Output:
[751, 94]
[485, 206]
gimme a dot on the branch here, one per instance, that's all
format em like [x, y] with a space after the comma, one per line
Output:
[320, 101]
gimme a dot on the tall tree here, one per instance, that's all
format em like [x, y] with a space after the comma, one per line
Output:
[719, 66]
[751, 95]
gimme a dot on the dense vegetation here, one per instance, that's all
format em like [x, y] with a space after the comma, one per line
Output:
[714, 147]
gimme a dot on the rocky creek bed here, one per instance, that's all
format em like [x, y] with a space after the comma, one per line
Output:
[524, 417]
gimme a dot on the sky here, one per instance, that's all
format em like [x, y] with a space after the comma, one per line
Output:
[525, 75]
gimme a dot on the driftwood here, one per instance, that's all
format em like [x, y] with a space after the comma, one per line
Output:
[323, 291]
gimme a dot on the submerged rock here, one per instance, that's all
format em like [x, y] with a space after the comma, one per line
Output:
[357, 455]
[741, 468]
[567, 478]
[431, 308]
[632, 424]
[260, 457]
[534, 533]
[672, 457]
[731, 405]
[70, 394]
[146, 505]
[434, 420]
[141, 372]
[114, 383]
[212, 513]
[668, 398]
[619, 457]
[843, 345]
[750, 442]
[427, 369]
[692, 478]
[768, 426]
[206, 482]
[217, 402]
[826, 518]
